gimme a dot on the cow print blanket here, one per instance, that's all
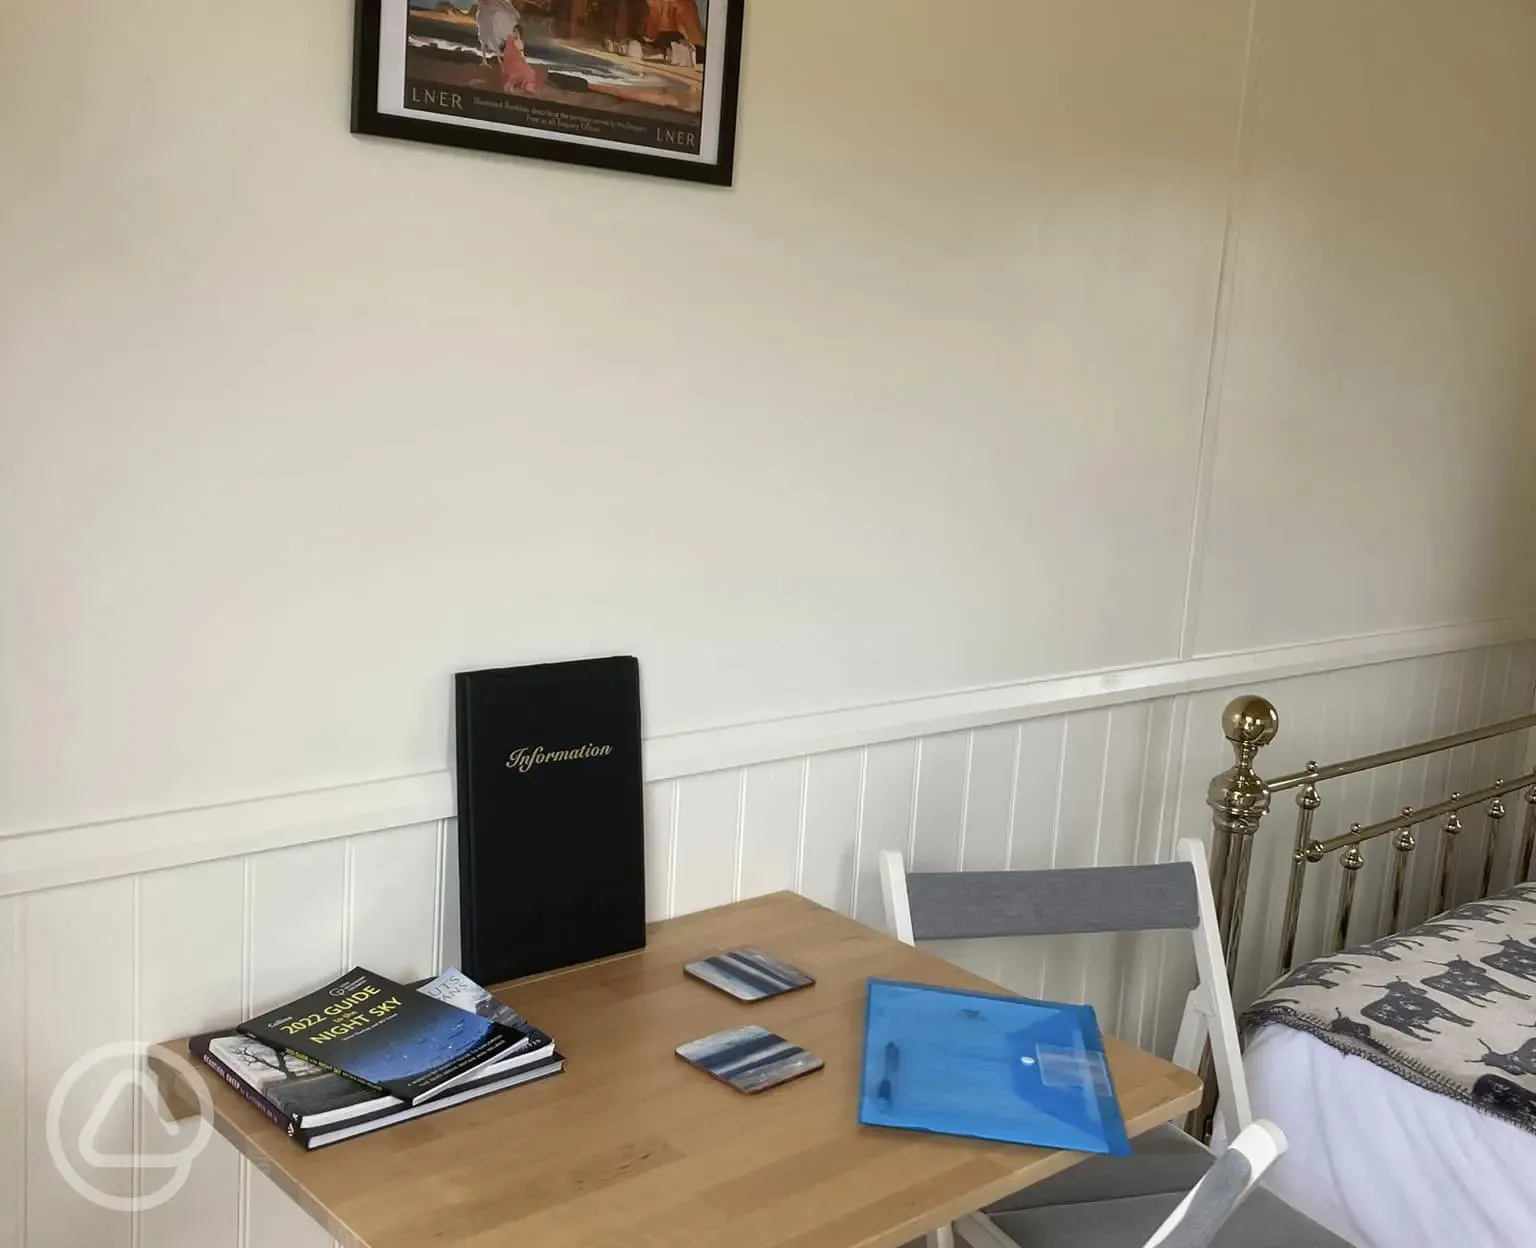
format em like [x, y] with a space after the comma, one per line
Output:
[1449, 1005]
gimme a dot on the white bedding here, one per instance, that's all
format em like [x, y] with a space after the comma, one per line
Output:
[1386, 1164]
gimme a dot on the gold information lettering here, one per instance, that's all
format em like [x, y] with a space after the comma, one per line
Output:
[526, 757]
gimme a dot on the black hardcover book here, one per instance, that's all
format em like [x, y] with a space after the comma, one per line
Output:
[551, 816]
[383, 1035]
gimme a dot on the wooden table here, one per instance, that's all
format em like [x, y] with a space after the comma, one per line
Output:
[631, 1146]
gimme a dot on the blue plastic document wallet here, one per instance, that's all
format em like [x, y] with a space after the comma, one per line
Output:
[989, 1067]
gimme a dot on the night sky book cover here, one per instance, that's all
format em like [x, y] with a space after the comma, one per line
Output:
[384, 1035]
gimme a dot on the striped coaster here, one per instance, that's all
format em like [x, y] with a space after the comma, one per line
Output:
[750, 1059]
[749, 974]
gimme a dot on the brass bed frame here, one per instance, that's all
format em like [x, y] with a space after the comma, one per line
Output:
[1240, 799]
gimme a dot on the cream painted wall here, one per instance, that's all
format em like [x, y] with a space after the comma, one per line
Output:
[296, 424]
[1378, 396]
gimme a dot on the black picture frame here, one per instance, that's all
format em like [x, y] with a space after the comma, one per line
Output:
[367, 119]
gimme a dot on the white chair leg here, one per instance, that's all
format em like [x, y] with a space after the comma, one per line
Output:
[979, 1231]
[944, 1237]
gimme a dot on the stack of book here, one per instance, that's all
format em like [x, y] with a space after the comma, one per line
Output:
[364, 1053]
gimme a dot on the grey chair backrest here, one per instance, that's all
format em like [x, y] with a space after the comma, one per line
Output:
[968, 905]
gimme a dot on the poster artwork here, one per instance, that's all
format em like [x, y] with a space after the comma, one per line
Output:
[633, 74]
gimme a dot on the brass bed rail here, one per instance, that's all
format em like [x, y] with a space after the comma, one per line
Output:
[1239, 800]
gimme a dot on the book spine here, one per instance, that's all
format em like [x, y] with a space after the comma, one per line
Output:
[250, 1093]
[275, 1043]
[302, 1136]
[335, 1070]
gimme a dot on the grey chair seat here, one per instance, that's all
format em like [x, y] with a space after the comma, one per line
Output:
[1262, 1221]
[1117, 1202]
[1163, 1160]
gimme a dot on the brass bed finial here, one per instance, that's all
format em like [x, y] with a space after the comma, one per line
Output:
[1250, 722]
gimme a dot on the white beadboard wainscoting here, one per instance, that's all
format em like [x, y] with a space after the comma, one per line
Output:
[179, 931]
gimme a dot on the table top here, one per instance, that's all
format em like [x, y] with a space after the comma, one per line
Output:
[632, 1146]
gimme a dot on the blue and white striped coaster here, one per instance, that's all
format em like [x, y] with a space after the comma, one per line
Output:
[750, 1059]
[749, 974]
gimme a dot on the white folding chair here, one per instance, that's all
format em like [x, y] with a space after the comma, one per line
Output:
[1145, 1190]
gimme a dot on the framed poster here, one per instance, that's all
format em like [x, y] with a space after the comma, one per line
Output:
[645, 86]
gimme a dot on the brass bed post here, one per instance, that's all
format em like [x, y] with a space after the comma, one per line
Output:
[1405, 842]
[1307, 803]
[1528, 847]
[1447, 865]
[1238, 799]
[1351, 860]
[1496, 812]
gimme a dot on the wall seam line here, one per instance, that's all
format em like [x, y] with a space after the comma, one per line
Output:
[440, 898]
[741, 833]
[1013, 796]
[1098, 839]
[247, 1007]
[23, 1209]
[858, 831]
[1128, 982]
[674, 819]
[800, 820]
[136, 1178]
[1061, 775]
[348, 895]
[1221, 316]
[1427, 871]
[965, 801]
[914, 795]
